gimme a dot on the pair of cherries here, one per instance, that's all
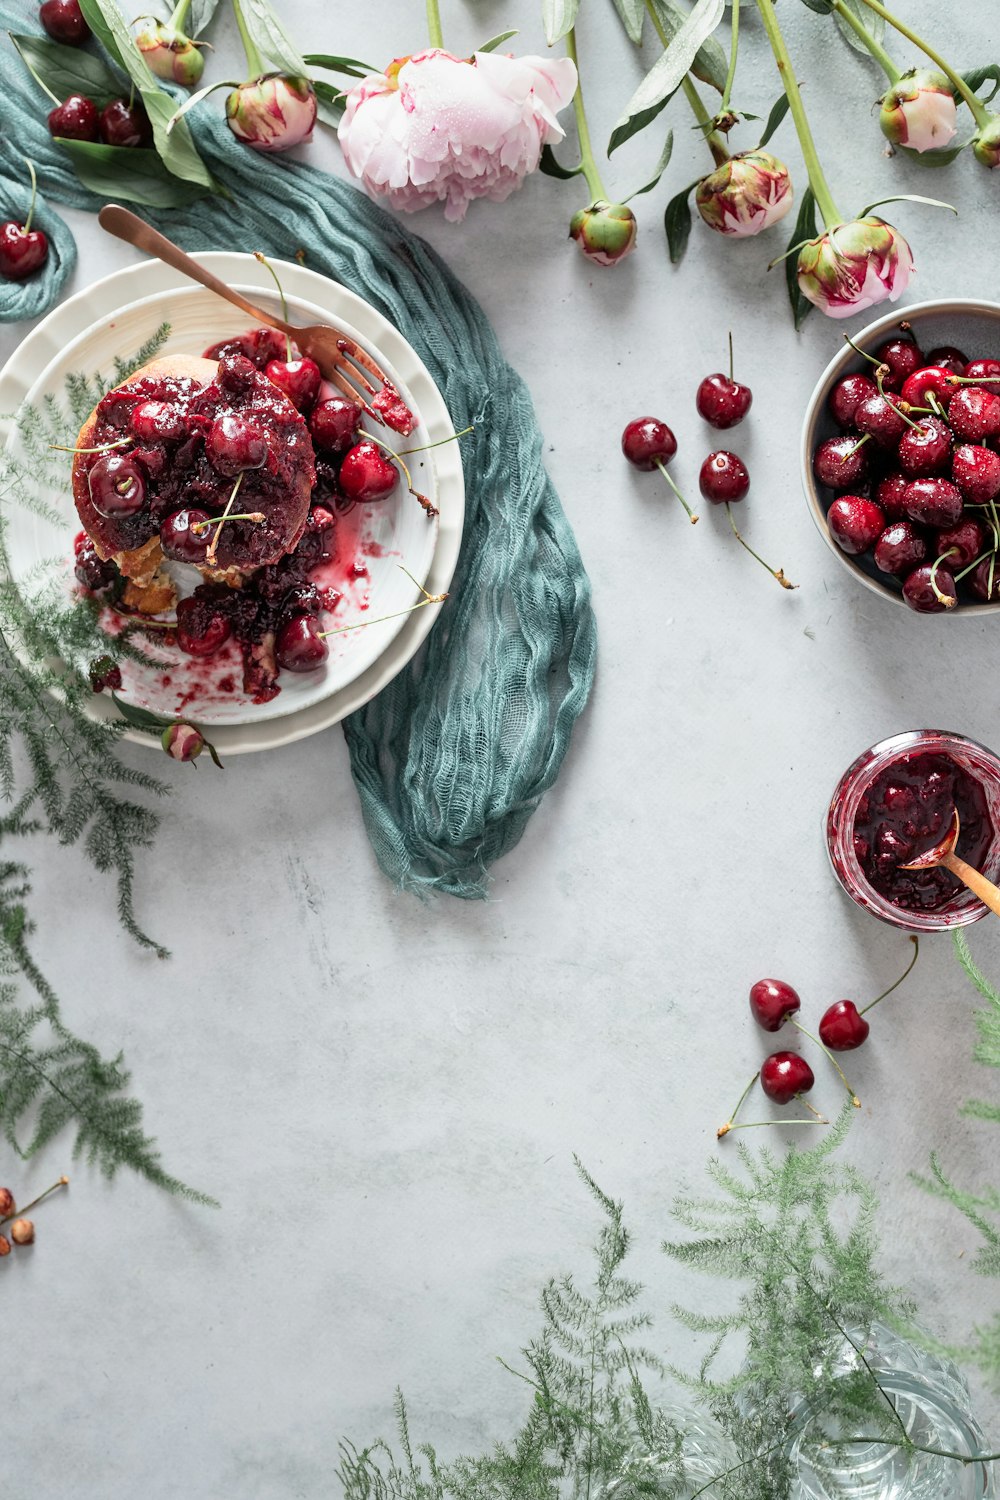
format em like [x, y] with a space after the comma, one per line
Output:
[722, 401]
[785, 1076]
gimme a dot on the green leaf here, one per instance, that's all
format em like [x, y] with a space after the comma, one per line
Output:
[329, 102]
[200, 15]
[710, 61]
[805, 229]
[978, 76]
[661, 167]
[667, 73]
[633, 14]
[908, 198]
[129, 172]
[778, 112]
[496, 41]
[872, 23]
[821, 7]
[140, 718]
[939, 158]
[271, 38]
[349, 65]
[68, 70]
[558, 17]
[177, 149]
[677, 223]
[552, 168]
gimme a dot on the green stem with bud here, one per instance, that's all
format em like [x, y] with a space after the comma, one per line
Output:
[434, 24]
[716, 144]
[179, 16]
[876, 49]
[588, 164]
[980, 113]
[733, 45]
[255, 63]
[817, 180]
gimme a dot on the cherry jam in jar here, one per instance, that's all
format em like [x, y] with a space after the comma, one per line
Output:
[895, 803]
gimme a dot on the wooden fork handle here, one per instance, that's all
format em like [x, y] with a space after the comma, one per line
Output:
[975, 880]
[127, 226]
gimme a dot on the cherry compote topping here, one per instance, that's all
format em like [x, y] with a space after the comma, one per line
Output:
[234, 444]
[905, 812]
[117, 485]
[202, 625]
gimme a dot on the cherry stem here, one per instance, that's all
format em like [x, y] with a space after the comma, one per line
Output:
[863, 352]
[778, 573]
[258, 255]
[19, 1212]
[817, 180]
[934, 404]
[730, 354]
[820, 1119]
[371, 438]
[249, 515]
[588, 164]
[104, 448]
[973, 379]
[980, 113]
[255, 63]
[441, 441]
[857, 447]
[854, 1098]
[725, 1129]
[34, 195]
[948, 600]
[420, 604]
[916, 954]
[663, 470]
[757, 1124]
[975, 563]
[210, 555]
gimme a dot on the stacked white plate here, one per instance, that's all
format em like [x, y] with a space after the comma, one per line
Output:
[400, 548]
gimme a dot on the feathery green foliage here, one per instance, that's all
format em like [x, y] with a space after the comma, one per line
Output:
[794, 1235]
[50, 1079]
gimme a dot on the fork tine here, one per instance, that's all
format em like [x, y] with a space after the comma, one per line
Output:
[347, 389]
[351, 370]
[353, 351]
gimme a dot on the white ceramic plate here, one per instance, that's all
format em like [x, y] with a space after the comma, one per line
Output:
[113, 317]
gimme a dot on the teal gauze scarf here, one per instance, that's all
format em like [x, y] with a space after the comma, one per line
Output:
[453, 756]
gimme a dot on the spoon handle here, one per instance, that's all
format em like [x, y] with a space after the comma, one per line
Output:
[127, 226]
[975, 880]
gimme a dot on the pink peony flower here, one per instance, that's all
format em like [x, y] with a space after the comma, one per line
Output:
[854, 266]
[920, 111]
[746, 195]
[441, 129]
[272, 113]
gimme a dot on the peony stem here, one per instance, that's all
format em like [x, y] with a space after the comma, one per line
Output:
[434, 24]
[717, 146]
[733, 45]
[817, 181]
[588, 165]
[860, 30]
[177, 20]
[980, 113]
[255, 63]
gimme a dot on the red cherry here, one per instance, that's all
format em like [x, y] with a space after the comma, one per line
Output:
[847, 395]
[932, 380]
[841, 463]
[925, 449]
[880, 419]
[125, 124]
[976, 471]
[842, 1027]
[974, 413]
[180, 541]
[772, 1001]
[647, 442]
[75, 119]
[949, 358]
[158, 422]
[22, 251]
[64, 22]
[903, 357]
[983, 369]
[117, 485]
[201, 626]
[366, 473]
[299, 647]
[300, 379]
[984, 580]
[855, 523]
[963, 541]
[933, 502]
[785, 1074]
[722, 401]
[920, 594]
[235, 444]
[723, 478]
[889, 494]
[900, 548]
[334, 423]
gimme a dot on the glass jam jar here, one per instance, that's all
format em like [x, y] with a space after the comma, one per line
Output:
[849, 799]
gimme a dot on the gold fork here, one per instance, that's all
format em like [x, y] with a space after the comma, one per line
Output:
[340, 359]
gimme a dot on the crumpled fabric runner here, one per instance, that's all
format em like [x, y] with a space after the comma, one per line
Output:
[453, 756]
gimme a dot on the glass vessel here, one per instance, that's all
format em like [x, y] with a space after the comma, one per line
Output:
[973, 758]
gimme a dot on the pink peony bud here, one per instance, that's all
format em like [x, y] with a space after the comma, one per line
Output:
[182, 741]
[434, 128]
[854, 266]
[986, 146]
[169, 53]
[272, 113]
[920, 111]
[605, 232]
[748, 193]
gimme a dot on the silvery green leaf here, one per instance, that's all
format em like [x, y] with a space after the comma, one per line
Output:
[200, 15]
[661, 167]
[710, 61]
[667, 73]
[271, 38]
[633, 14]
[496, 41]
[558, 17]
[868, 18]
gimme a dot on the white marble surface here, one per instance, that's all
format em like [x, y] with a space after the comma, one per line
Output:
[385, 1095]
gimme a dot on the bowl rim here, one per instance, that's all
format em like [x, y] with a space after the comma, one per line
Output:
[838, 366]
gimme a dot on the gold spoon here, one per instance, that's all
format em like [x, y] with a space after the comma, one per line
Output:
[944, 854]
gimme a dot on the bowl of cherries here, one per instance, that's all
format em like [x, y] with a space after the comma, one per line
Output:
[901, 456]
